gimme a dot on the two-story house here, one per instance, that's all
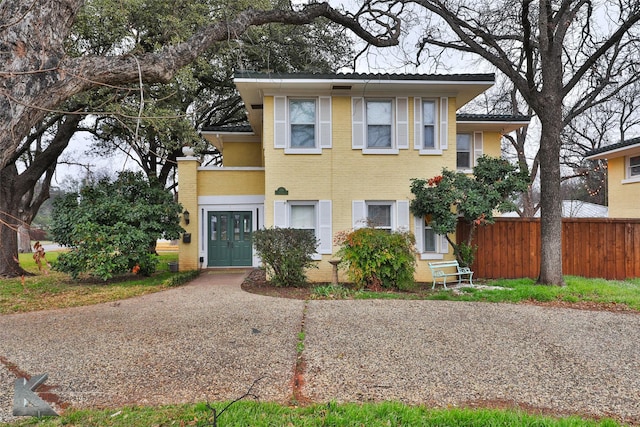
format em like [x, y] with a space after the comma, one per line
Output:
[623, 177]
[330, 153]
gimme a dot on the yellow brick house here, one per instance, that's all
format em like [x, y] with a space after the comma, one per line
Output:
[330, 153]
[623, 180]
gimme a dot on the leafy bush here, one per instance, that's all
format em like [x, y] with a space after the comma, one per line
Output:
[112, 227]
[286, 253]
[379, 259]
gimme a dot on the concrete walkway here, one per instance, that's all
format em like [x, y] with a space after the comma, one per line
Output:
[209, 340]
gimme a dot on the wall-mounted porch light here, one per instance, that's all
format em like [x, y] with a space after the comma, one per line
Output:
[185, 216]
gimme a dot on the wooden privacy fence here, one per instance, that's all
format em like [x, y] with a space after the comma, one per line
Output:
[591, 247]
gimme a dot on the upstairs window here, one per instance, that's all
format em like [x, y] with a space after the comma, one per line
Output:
[302, 125]
[379, 124]
[463, 151]
[431, 128]
[302, 114]
[469, 148]
[429, 125]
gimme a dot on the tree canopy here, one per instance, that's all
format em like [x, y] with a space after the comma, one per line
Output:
[448, 198]
[563, 57]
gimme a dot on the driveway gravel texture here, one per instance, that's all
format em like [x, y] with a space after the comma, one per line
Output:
[209, 341]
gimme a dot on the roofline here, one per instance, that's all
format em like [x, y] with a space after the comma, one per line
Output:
[607, 151]
[250, 76]
[467, 118]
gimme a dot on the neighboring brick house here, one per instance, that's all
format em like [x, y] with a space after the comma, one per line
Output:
[329, 152]
[623, 177]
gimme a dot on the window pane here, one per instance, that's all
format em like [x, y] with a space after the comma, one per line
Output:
[429, 240]
[303, 216]
[236, 227]
[634, 166]
[463, 142]
[302, 115]
[463, 147]
[379, 215]
[214, 227]
[429, 112]
[378, 136]
[224, 220]
[379, 112]
[463, 160]
[429, 136]
[302, 111]
[303, 136]
[379, 115]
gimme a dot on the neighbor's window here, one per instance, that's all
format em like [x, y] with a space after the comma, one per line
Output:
[634, 167]
[429, 124]
[302, 118]
[379, 215]
[379, 119]
[463, 148]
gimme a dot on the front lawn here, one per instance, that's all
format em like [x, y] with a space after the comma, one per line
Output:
[271, 414]
[580, 292]
[57, 290]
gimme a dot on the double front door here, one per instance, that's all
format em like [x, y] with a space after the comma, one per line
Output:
[230, 239]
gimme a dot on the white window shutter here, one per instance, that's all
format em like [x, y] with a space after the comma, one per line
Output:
[419, 233]
[325, 122]
[280, 217]
[402, 215]
[444, 244]
[477, 146]
[357, 123]
[417, 123]
[359, 214]
[444, 128]
[280, 131]
[324, 223]
[402, 123]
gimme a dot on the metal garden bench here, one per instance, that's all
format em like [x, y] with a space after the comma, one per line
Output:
[438, 272]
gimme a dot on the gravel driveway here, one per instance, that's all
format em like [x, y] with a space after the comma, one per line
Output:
[209, 340]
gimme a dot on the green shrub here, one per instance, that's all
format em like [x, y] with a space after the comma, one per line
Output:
[111, 228]
[286, 254]
[379, 259]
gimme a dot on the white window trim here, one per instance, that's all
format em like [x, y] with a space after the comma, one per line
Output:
[323, 226]
[440, 124]
[399, 125]
[442, 246]
[392, 213]
[394, 143]
[629, 179]
[476, 149]
[282, 124]
[301, 150]
[399, 213]
[471, 150]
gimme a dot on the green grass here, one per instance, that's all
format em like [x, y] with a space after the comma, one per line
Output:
[57, 290]
[247, 413]
[624, 293]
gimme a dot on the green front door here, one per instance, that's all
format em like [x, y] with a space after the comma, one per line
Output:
[229, 239]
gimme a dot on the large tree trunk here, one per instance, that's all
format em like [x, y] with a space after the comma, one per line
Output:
[9, 223]
[550, 203]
